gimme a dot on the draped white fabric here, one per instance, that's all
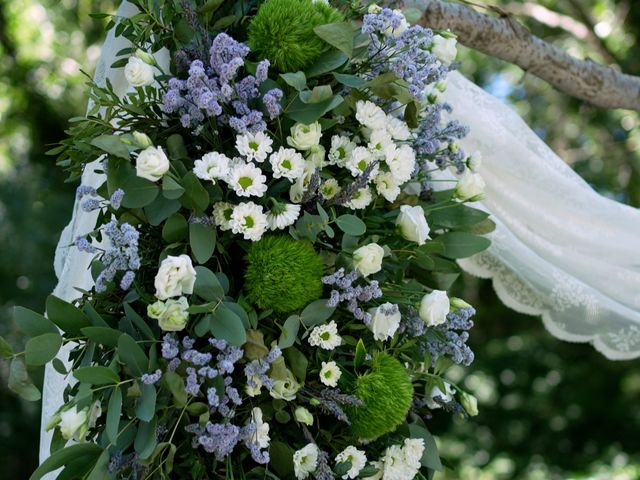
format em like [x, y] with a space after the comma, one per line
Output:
[560, 250]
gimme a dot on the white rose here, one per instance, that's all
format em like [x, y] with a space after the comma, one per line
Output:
[71, 421]
[368, 259]
[385, 320]
[152, 164]
[175, 277]
[303, 137]
[413, 224]
[175, 315]
[138, 73]
[470, 187]
[434, 308]
[444, 48]
[261, 435]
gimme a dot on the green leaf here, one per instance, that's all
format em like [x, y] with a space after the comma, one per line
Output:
[69, 318]
[339, 35]
[176, 148]
[146, 439]
[297, 362]
[297, 80]
[103, 335]
[319, 94]
[207, 285]
[113, 145]
[94, 317]
[32, 323]
[114, 411]
[308, 113]
[327, 62]
[457, 216]
[227, 325]
[289, 332]
[132, 355]
[175, 228]
[195, 195]
[20, 383]
[350, 80]
[39, 350]
[316, 313]
[160, 209]
[138, 192]
[351, 225]
[96, 375]
[138, 322]
[224, 22]
[171, 189]
[210, 6]
[462, 244]
[430, 457]
[5, 349]
[66, 456]
[175, 384]
[146, 406]
[241, 312]
[202, 239]
[100, 470]
[281, 459]
[411, 114]
[361, 354]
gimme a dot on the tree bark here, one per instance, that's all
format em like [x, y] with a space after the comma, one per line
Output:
[503, 37]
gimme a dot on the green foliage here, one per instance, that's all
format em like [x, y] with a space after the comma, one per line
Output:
[387, 394]
[282, 31]
[283, 274]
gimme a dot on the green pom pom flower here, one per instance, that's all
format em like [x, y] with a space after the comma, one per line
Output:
[387, 394]
[282, 31]
[283, 274]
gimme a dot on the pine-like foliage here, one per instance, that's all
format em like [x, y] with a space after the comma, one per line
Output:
[282, 32]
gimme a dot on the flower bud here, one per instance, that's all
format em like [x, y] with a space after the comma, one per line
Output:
[146, 57]
[303, 416]
[457, 303]
[142, 140]
[470, 403]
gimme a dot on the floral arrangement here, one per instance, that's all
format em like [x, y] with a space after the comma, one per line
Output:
[271, 251]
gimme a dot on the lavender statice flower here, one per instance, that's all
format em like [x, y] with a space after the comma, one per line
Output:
[127, 280]
[323, 470]
[151, 378]
[352, 295]
[90, 204]
[271, 102]
[85, 190]
[217, 438]
[453, 337]
[257, 369]
[84, 245]
[169, 347]
[116, 199]
[122, 254]
[332, 399]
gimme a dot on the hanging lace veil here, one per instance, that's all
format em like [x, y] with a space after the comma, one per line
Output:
[560, 250]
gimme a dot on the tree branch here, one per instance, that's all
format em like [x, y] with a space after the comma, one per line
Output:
[505, 38]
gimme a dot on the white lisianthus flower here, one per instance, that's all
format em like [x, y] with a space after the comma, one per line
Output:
[370, 115]
[152, 164]
[222, 215]
[385, 321]
[261, 435]
[212, 166]
[445, 396]
[434, 308]
[285, 386]
[413, 449]
[397, 128]
[282, 216]
[368, 259]
[325, 336]
[249, 220]
[155, 310]
[360, 199]
[71, 422]
[305, 461]
[138, 73]
[444, 48]
[329, 189]
[303, 416]
[341, 148]
[470, 187]
[359, 160]
[357, 459]
[387, 186]
[254, 146]
[413, 224]
[287, 163]
[175, 315]
[176, 276]
[474, 162]
[401, 161]
[379, 140]
[247, 180]
[303, 137]
[330, 373]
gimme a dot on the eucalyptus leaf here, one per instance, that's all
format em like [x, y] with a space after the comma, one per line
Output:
[19, 381]
[430, 457]
[327, 62]
[160, 209]
[65, 456]
[339, 35]
[69, 318]
[289, 332]
[138, 322]
[297, 80]
[207, 285]
[96, 375]
[463, 244]
[103, 335]
[43, 348]
[202, 239]
[227, 325]
[146, 406]
[112, 144]
[146, 439]
[114, 411]
[316, 313]
[351, 225]
[132, 355]
[195, 195]
[5, 349]
[175, 384]
[353, 81]
[175, 228]
[32, 323]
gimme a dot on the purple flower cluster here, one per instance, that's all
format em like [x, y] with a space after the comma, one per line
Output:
[454, 334]
[122, 255]
[352, 295]
[257, 369]
[219, 90]
[405, 54]
[332, 399]
[220, 439]
[94, 201]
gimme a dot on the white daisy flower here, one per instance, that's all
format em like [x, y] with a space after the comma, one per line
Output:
[401, 161]
[395, 465]
[359, 160]
[249, 220]
[254, 146]
[360, 199]
[325, 336]
[283, 215]
[222, 215]
[357, 458]
[329, 189]
[387, 186]
[247, 180]
[378, 142]
[341, 148]
[330, 373]
[413, 449]
[370, 115]
[287, 163]
[305, 461]
[397, 128]
[212, 166]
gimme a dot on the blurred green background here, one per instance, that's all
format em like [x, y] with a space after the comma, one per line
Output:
[548, 409]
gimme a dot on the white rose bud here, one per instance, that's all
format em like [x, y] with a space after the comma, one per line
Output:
[303, 416]
[303, 137]
[142, 139]
[385, 320]
[146, 57]
[470, 403]
[175, 315]
[152, 164]
[434, 308]
[175, 277]
[444, 48]
[138, 73]
[474, 162]
[71, 421]
[470, 187]
[368, 259]
[413, 224]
